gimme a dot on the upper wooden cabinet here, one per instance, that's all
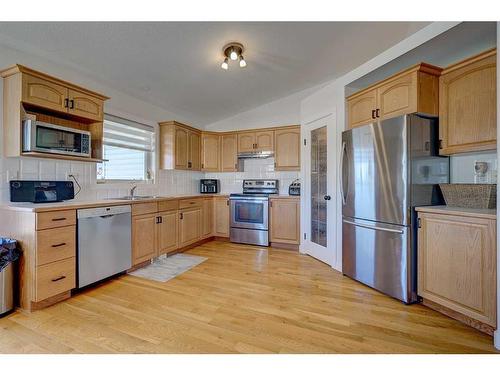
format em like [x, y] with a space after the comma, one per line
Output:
[457, 264]
[229, 152]
[210, 152]
[180, 146]
[467, 112]
[31, 94]
[413, 90]
[256, 141]
[287, 149]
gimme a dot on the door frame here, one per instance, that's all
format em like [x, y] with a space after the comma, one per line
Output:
[306, 246]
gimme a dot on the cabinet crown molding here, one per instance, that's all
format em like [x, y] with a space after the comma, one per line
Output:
[23, 69]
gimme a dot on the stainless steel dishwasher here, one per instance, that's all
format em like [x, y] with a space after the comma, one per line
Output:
[104, 243]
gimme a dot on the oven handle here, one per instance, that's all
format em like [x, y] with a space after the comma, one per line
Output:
[249, 199]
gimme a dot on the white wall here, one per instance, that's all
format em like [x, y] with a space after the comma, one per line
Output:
[284, 111]
[462, 168]
[167, 182]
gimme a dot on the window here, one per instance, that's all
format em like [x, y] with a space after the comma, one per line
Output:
[128, 147]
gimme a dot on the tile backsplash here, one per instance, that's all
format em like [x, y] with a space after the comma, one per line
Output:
[462, 168]
[253, 168]
[166, 183]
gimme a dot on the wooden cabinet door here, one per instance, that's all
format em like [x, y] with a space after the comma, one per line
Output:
[285, 221]
[467, 107]
[229, 153]
[207, 218]
[361, 108]
[264, 140]
[457, 264]
[85, 105]
[398, 96]
[246, 142]
[210, 152]
[144, 238]
[189, 226]
[287, 149]
[181, 140]
[221, 225]
[194, 162]
[167, 232]
[44, 93]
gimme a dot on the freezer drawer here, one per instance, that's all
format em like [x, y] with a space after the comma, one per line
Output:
[379, 255]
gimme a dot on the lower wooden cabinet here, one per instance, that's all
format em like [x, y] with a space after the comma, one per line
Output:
[167, 232]
[285, 220]
[207, 218]
[457, 264]
[55, 278]
[221, 216]
[189, 226]
[144, 238]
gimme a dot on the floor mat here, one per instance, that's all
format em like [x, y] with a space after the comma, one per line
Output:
[166, 268]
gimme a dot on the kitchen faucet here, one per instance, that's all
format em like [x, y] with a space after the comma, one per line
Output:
[132, 190]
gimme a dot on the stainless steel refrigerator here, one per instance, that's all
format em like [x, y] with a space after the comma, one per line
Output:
[388, 168]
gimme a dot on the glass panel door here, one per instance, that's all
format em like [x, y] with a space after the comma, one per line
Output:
[319, 181]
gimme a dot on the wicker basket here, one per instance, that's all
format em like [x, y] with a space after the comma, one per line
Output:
[470, 195]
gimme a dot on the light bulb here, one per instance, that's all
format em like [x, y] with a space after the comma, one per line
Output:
[224, 64]
[233, 55]
[243, 63]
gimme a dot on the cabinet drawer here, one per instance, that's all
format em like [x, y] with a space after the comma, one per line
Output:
[144, 208]
[187, 203]
[55, 278]
[55, 244]
[55, 219]
[168, 205]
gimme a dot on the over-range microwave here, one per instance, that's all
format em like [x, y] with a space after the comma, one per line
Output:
[44, 137]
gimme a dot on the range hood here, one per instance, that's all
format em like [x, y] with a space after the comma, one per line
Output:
[255, 155]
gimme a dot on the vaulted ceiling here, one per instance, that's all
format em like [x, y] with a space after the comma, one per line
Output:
[176, 65]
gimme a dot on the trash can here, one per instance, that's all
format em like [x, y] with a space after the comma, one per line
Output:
[9, 254]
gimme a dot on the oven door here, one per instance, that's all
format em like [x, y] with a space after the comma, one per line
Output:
[250, 213]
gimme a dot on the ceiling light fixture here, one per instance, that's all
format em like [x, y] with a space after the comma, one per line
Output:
[233, 51]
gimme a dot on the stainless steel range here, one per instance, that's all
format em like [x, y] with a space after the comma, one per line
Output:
[250, 212]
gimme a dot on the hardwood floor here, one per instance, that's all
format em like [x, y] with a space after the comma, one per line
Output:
[243, 299]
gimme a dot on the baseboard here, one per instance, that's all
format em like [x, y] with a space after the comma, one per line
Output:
[474, 323]
[286, 246]
[50, 301]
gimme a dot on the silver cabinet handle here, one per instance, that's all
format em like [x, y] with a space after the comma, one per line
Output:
[373, 227]
[342, 154]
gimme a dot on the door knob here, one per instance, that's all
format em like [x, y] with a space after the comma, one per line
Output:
[327, 197]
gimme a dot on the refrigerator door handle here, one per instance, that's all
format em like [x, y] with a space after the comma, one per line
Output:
[373, 227]
[342, 155]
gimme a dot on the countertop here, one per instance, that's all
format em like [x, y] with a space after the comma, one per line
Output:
[460, 211]
[77, 204]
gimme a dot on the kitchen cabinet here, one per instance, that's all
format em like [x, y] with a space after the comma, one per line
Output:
[221, 225]
[287, 149]
[167, 231]
[29, 94]
[207, 218]
[229, 152]
[144, 238]
[256, 141]
[85, 105]
[284, 216]
[189, 226]
[457, 265]
[180, 146]
[467, 112]
[43, 93]
[210, 152]
[413, 90]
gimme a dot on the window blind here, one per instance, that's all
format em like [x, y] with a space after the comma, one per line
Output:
[123, 133]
